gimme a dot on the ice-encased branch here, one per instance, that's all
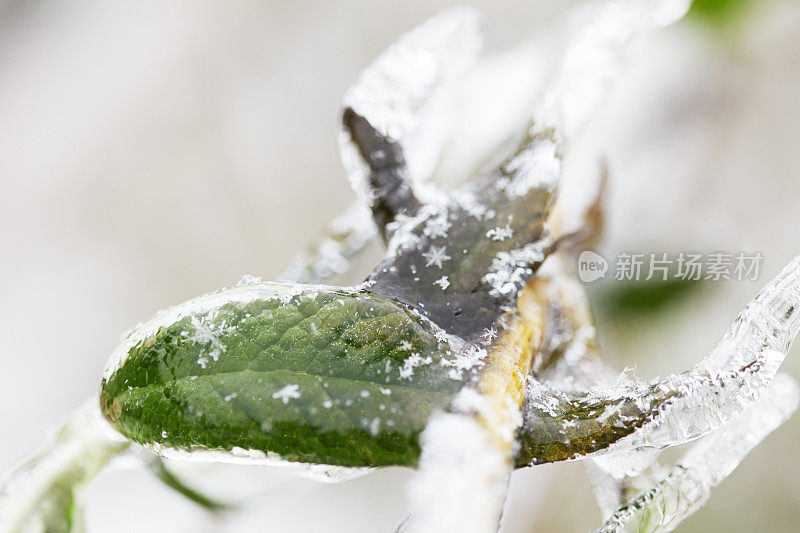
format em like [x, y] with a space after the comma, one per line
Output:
[45, 492]
[689, 484]
[559, 425]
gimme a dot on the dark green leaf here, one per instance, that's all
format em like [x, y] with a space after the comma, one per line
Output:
[325, 376]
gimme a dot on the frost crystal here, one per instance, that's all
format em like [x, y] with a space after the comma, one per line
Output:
[596, 54]
[436, 256]
[203, 334]
[535, 167]
[511, 269]
[468, 358]
[436, 227]
[489, 335]
[501, 234]
[289, 392]
[411, 362]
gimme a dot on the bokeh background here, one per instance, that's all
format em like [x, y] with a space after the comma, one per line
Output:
[151, 151]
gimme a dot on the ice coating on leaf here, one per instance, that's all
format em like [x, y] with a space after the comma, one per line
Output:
[688, 486]
[323, 473]
[392, 111]
[520, 191]
[607, 488]
[617, 478]
[309, 373]
[206, 303]
[392, 93]
[332, 254]
[597, 52]
[561, 425]
[484, 274]
[770, 322]
[219, 484]
[346, 236]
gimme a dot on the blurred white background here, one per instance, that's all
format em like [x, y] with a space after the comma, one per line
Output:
[152, 151]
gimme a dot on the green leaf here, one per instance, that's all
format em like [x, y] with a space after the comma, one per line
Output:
[720, 14]
[312, 374]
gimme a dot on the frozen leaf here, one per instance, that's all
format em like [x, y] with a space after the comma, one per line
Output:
[391, 100]
[485, 275]
[384, 112]
[287, 370]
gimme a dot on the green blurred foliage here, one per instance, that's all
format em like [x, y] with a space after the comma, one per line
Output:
[621, 300]
[720, 14]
